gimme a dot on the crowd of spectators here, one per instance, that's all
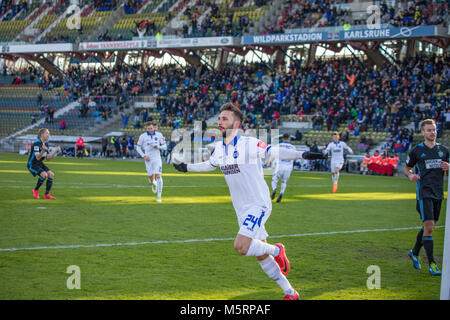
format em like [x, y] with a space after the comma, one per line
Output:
[217, 20]
[15, 7]
[132, 6]
[331, 93]
[416, 13]
[378, 99]
[105, 5]
[147, 27]
[327, 13]
[308, 14]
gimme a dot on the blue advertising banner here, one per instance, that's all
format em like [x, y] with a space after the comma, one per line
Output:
[387, 33]
[350, 33]
[284, 38]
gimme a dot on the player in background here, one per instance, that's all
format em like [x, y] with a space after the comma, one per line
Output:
[283, 169]
[35, 164]
[240, 159]
[149, 145]
[336, 148]
[430, 160]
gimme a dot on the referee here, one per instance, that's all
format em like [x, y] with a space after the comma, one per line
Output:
[430, 160]
[35, 164]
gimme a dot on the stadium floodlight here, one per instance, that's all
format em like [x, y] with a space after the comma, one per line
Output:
[445, 281]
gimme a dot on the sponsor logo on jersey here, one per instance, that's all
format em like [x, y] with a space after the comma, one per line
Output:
[433, 164]
[230, 169]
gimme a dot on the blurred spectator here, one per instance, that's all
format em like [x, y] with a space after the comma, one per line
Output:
[62, 125]
[80, 147]
[117, 146]
[104, 146]
[130, 146]
[124, 145]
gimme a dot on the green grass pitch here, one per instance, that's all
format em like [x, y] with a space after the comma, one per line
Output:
[105, 220]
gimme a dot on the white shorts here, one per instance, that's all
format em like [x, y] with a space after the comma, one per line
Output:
[283, 174]
[336, 165]
[153, 167]
[251, 223]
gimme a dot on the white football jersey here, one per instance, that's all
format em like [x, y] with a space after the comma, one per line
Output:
[146, 143]
[241, 164]
[283, 165]
[337, 150]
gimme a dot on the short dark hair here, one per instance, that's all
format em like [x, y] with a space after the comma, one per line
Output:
[425, 122]
[236, 111]
[286, 136]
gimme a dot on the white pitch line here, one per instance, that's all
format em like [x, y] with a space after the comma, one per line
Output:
[201, 240]
[125, 186]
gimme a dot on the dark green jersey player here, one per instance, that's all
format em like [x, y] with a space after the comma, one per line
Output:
[430, 160]
[35, 164]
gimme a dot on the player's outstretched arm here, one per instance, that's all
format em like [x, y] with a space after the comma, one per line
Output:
[287, 154]
[195, 167]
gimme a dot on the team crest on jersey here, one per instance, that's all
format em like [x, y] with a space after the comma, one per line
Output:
[441, 154]
[235, 154]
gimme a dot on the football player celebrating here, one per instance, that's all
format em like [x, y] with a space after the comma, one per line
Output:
[240, 159]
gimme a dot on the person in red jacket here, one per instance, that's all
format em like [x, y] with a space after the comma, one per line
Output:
[80, 147]
[375, 162]
[393, 161]
[62, 125]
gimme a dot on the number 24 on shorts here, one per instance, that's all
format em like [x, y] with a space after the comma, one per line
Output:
[254, 220]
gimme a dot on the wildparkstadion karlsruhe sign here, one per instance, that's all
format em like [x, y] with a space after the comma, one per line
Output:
[349, 33]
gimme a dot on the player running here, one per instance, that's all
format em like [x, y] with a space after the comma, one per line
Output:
[148, 146]
[337, 158]
[430, 160]
[39, 152]
[240, 159]
[283, 169]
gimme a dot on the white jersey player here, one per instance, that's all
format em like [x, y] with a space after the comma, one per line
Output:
[283, 169]
[336, 148]
[240, 159]
[149, 145]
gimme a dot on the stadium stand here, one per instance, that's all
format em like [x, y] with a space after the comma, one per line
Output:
[20, 106]
[133, 24]
[88, 24]
[369, 106]
[10, 29]
[232, 18]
